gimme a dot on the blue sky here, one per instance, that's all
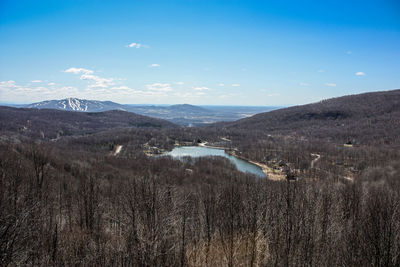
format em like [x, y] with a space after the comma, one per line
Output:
[197, 51]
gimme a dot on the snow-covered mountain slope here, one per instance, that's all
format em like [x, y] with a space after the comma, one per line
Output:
[75, 104]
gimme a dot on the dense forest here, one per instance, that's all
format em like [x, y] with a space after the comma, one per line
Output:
[68, 199]
[50, 123]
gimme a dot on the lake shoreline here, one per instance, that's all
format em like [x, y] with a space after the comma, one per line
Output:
[269, 173]
[264, 167]
[204, 150]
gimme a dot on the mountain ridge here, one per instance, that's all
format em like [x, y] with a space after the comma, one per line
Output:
[182, 114]
[76, 104]
[52, 122]
[368, 117]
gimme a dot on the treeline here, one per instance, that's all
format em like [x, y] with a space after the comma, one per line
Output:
[63, 208]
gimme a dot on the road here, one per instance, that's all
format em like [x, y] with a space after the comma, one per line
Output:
[117, 150]
[317, 157]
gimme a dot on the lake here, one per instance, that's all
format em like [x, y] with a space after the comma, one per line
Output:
[199, 151]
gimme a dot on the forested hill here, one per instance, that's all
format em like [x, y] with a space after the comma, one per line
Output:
[50, 123]
[364, 118]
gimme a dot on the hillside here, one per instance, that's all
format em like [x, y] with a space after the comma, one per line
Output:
[50, 123]
[364, 118]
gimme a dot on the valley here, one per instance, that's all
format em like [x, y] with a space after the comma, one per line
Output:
[200, 133]
[75, 178]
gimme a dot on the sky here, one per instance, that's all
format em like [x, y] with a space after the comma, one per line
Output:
[206, 52]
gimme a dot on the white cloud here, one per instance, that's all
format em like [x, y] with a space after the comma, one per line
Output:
[11, 91]
[180, 83]
[360, 73]
[274, 94]
[154, 65]
[137, 45]
[7, 84]
[203, 88]
[123, 87]
[235, 85]
[36, 81]
[124, 90]
[159, 87]
[321, 71]
[134, 45]
[96, 81]
[221, 84]
[304, 84]
[79, 70]
[330, 84]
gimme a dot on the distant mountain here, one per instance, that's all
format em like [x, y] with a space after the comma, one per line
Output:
[75, 104]
[182, 114]
[50, 123]
[364, 118]
[189, 109]
[190, 115]
[83, 105]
